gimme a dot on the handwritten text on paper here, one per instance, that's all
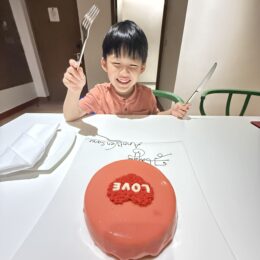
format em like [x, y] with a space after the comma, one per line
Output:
[137, 152]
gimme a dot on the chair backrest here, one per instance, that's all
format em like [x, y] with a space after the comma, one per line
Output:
[231, 93]
[168, 95]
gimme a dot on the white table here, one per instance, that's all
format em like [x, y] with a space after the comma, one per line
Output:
[224, 155]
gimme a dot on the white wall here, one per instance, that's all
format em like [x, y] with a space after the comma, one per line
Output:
[148, 15]
[18, 95]
[93, 51]
[225, 31]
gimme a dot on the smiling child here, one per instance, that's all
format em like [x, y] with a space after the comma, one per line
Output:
[125, 49]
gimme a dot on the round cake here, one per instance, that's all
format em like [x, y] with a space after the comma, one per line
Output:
[130, 209]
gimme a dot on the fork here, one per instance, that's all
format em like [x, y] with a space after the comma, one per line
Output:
[86, 23]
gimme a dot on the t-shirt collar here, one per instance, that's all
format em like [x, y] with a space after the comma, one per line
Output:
[131, 97]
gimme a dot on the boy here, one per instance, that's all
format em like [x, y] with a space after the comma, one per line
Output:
[124, 57]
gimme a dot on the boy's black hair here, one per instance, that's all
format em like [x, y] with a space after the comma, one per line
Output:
[128, 37]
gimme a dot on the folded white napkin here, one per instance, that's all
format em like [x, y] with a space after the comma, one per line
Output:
[27, 149]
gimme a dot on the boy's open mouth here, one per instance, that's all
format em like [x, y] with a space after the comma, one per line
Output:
[123, 81]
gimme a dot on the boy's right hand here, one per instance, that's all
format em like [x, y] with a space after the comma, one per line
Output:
[74, 78]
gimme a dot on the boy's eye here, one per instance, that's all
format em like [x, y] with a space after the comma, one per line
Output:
[116, 64]
[133, 66]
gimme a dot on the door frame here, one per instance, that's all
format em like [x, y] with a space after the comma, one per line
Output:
[114, 19]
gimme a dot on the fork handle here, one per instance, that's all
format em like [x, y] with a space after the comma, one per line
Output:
[81, 53]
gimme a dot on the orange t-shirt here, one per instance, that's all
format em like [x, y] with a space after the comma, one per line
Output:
[103, 99]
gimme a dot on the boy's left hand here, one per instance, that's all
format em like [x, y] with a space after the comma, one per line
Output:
[180, 110]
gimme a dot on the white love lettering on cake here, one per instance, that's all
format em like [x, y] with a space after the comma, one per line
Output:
[130, 187]
[136, 187]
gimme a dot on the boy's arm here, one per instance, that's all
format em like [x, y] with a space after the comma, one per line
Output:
[74, 79]
[71, 108]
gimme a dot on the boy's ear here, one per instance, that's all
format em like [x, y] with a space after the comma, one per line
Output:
[143, 68]
[103, 64]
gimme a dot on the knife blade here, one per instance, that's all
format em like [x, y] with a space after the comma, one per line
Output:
[203, 82]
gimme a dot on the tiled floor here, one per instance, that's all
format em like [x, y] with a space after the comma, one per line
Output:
[40, 107]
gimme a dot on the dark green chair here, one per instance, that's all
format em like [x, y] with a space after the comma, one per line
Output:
[231, 93]
[168, 95]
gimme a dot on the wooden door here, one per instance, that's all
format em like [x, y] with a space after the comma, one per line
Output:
[14, 70]
[56, 42]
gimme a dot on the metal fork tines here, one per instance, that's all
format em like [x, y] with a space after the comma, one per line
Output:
[86, 23]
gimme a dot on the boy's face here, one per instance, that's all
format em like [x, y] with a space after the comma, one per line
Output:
[123, 72]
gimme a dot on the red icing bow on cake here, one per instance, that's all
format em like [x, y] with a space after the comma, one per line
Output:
[130, 187]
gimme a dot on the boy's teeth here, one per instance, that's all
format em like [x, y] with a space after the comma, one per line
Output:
[123, 80]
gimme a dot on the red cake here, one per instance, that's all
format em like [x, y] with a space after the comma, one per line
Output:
[130, 209]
